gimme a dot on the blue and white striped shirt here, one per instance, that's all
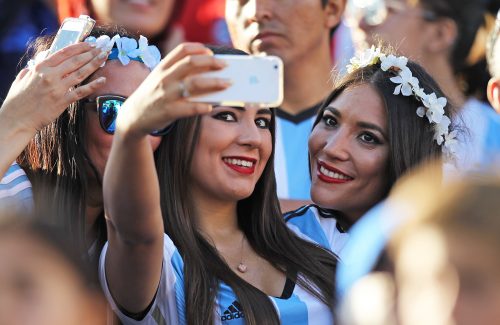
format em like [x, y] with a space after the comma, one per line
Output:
[291, 158]
[15, 189]
[301, 308]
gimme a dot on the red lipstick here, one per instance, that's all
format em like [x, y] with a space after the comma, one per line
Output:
[236, 163]
[328, 179]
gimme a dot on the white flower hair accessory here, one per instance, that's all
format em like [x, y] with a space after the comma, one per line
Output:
[408, 85]
[128, 49]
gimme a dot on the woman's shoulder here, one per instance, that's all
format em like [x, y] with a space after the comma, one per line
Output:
[318, 225]
[313, 212]
[15, 186]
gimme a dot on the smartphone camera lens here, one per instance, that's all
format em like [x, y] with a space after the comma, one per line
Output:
[275, 67]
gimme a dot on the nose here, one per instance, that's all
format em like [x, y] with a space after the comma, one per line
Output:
[337, 146]
[260, 10]
[250, 135]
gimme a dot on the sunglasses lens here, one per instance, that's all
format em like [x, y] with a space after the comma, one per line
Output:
[108, 110]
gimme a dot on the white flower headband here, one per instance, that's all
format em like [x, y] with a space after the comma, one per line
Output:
[126, 49]
[408, 85]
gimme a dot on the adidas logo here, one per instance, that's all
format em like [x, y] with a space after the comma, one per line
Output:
[234, 311]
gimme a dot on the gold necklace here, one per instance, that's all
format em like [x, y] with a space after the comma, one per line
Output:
[242, 267]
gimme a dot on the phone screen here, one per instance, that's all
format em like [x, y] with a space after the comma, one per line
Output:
[70, 32]
[65, 38]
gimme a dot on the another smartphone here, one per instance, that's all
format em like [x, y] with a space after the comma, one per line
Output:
[257, 80]
[72, 31]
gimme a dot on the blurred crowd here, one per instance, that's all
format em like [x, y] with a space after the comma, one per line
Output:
[369, 196]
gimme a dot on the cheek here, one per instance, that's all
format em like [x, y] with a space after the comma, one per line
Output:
[98, 142]
[316, 141]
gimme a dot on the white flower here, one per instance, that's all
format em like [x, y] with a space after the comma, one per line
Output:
[149, 54]
[420, 93]
[125, 46]
[441, 129]
[450, 143]
[435, 107]
[390, 61]
[38, 58]
[406, 81]
[421, 111]
[367, 57]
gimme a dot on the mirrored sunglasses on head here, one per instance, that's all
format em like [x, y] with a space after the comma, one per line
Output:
[108, 108]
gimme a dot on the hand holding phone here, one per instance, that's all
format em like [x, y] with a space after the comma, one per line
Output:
[256, 80]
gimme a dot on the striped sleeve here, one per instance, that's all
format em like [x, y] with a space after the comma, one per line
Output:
[15, 188]
[165, 308]
[318, 226]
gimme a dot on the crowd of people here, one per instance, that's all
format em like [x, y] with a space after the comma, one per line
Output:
[369, 196]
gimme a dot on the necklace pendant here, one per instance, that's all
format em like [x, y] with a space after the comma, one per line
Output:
[242, 268]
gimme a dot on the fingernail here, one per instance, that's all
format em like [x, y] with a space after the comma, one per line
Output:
[92, 44]
[101, 80]
[225, 82]
[103, 55]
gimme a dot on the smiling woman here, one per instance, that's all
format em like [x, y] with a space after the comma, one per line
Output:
[382, 119]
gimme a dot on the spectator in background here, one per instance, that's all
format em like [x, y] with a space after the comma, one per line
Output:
[20, 22]
[157, 20]
[299, 32]
[42, 278]
[447, 38]
[493, 57]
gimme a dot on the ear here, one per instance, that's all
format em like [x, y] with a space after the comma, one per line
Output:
[493, 93]
[333, 11]
[443, 34]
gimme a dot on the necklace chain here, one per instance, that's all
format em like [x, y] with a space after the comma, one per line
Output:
[242, 267]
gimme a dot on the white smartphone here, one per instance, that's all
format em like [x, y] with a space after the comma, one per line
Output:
[256, 80]
[72, 31]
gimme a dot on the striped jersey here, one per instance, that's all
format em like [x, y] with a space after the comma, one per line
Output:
[15, 188]
[299, 308]
[291, 160]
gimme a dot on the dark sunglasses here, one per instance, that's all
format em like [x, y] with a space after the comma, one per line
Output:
[108, 107]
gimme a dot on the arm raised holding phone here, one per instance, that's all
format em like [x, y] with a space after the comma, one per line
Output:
[132, 203]
[40, 94]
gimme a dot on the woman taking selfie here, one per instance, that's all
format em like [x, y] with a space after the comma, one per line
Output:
[65, 160]
[200, 239]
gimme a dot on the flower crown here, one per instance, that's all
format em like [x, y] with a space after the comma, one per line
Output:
[407, 85]
[126, 49]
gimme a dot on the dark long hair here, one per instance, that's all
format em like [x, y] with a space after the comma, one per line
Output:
[260, 219]
[411, 138]
[60, 169]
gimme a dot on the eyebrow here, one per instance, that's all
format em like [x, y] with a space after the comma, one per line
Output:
[266, 111]
[362, 124]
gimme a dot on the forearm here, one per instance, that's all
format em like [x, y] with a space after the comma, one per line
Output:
[131, 190]
[13, 139]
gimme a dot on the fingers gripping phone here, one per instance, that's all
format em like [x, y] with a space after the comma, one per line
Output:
[256, 80]
[72, 31]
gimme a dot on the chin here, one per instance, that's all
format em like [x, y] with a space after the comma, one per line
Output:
[324, 200]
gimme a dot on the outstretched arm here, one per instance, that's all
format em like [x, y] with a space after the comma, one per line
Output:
[131, 191]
